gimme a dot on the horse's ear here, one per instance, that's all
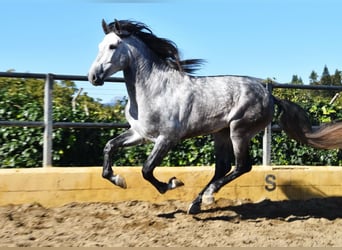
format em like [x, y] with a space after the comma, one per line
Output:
[117, 26]
[119, 30]
[105, 27]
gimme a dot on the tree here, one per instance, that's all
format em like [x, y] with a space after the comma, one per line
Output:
[313, 78]
[296, 80]
[325, 78]
[336, 78]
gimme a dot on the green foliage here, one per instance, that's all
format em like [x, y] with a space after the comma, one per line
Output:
[192, 152]
[20, 148]
[22, 99]
[286, 151]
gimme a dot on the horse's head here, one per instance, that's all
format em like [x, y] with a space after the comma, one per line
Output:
[112, 57]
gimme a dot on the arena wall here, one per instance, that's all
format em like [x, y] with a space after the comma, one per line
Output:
[57, 186]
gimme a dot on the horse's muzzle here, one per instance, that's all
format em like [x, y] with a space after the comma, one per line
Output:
[95, 79]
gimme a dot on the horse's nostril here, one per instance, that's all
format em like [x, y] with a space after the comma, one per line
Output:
[94, 78]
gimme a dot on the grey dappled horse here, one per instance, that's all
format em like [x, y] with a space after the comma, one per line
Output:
[167, 104]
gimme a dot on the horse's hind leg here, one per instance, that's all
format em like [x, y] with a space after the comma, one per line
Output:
[128, 138]
[242, 161]
[160, 149]
[223, 153]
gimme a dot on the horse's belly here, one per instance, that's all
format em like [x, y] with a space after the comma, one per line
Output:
[205, 125]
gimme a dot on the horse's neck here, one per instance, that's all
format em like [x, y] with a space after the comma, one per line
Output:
[146, 76]
[142, 90]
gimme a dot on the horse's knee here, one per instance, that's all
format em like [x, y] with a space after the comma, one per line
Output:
[107, 149]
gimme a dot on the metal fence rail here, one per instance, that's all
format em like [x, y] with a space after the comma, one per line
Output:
[48, 123]
[37, 124]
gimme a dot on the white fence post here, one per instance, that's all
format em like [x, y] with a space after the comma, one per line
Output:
[47, 138]
[267, 138]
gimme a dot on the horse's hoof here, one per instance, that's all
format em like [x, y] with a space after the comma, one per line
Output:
[174, 183]
[194, 208]
[120, 181]
[208, 199]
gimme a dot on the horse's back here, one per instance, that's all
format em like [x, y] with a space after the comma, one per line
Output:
[234, 91]
[220, 100]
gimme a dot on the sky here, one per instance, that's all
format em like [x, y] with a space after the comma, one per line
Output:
[260, 38]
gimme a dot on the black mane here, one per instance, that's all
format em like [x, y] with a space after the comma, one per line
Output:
[165, 49]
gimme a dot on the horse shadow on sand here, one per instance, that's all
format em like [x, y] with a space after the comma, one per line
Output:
[314, 204]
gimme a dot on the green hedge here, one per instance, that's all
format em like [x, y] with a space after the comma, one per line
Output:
[22, 99]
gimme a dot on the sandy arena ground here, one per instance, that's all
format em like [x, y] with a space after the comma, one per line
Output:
[315, 222]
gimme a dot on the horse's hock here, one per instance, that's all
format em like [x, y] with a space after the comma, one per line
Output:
[58, 186]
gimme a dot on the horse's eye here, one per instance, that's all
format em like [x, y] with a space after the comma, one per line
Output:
[113, 46]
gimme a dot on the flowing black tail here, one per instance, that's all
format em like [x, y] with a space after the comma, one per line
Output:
[296, 124]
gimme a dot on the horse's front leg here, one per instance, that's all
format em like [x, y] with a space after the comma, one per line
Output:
[160, 149]
[128, 138]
